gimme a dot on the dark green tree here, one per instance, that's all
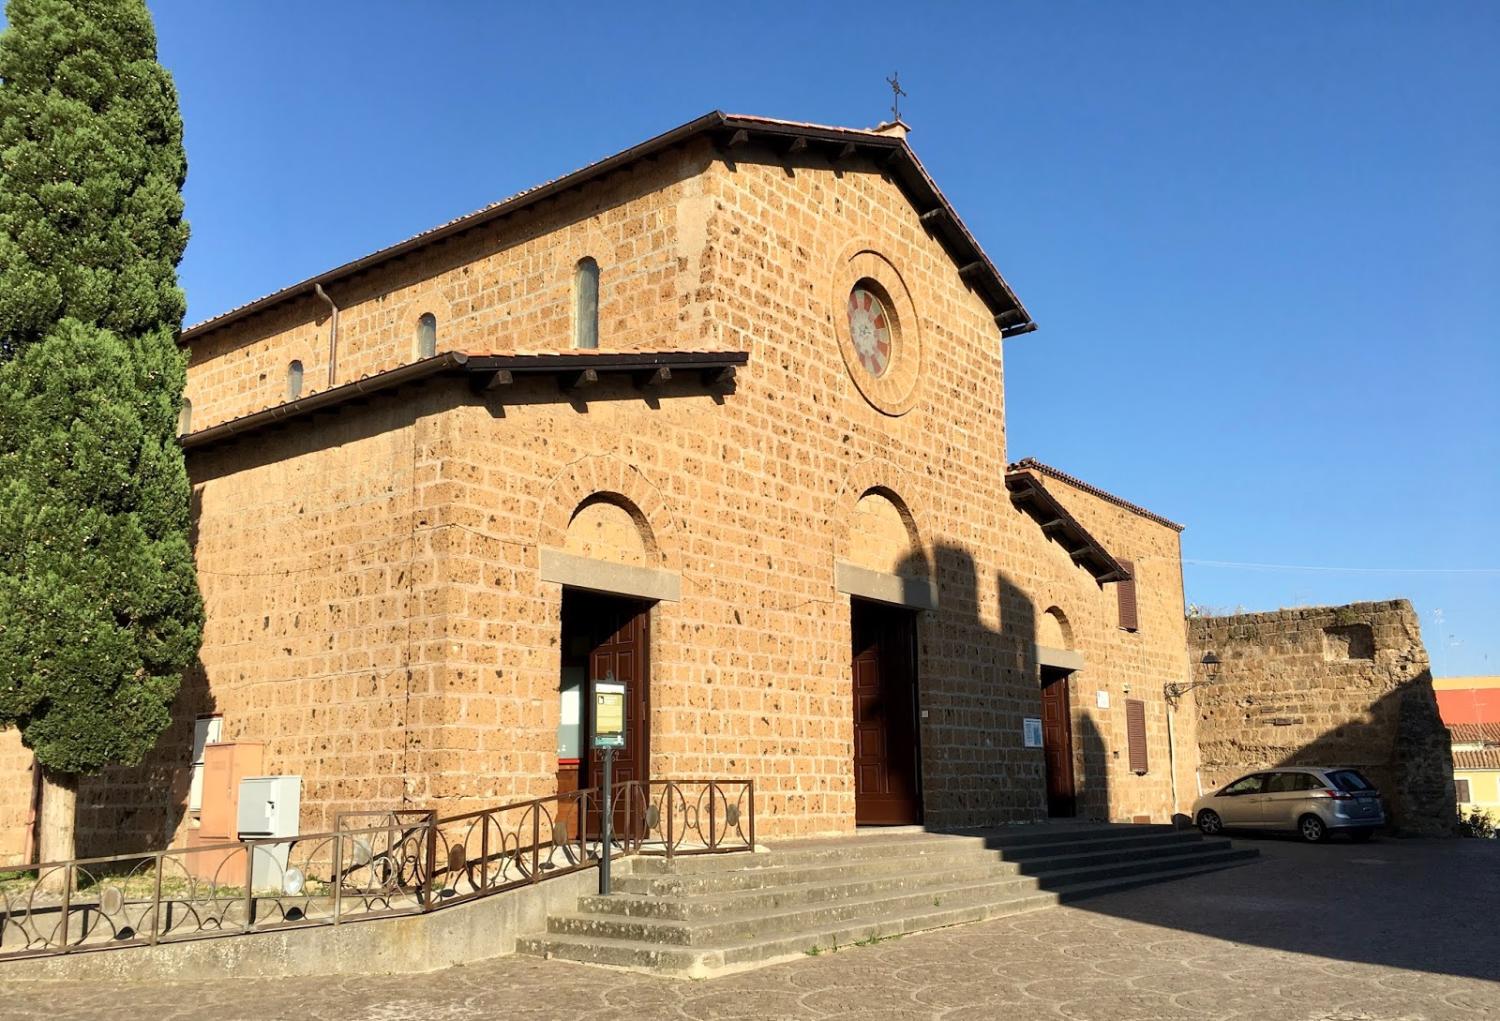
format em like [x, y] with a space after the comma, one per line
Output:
[99, 605]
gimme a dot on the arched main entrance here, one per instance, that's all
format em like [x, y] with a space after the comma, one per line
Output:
[888, 580]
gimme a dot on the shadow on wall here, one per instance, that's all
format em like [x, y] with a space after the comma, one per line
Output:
[1419, 905]
[1416, 778]
[977, 685]
[133, 809]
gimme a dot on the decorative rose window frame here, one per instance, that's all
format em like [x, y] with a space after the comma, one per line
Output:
[894, 392]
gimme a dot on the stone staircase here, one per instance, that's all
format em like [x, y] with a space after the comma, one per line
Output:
[706, 915]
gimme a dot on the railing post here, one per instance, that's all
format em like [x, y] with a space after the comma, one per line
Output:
[583, 827]
[667, 835]
[338, 874]
[484, 851]
[713, 789]
[431, 859]
[249, 846]
[66, 904]
[156, 903]
[536, 842]
[751, 785]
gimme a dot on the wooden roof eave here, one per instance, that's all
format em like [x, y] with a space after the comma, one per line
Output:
[573, 371]
[1057, 522]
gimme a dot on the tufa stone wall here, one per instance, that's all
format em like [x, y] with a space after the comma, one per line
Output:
[1327, 686]
[376, 614]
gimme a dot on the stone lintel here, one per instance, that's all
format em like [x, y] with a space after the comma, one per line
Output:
[1063, 659]
[604, 576]
[915, 593]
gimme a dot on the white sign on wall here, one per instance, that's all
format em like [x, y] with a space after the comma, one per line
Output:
[1031, 732]
[1101, 699]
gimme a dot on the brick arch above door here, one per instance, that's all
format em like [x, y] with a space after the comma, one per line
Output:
[901, 576]
[605, 478]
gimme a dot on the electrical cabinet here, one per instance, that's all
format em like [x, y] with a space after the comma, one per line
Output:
[271, 806]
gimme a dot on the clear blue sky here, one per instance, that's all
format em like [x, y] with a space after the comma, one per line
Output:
[1262, 240]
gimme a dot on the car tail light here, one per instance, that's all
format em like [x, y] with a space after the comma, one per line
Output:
[1335, 795]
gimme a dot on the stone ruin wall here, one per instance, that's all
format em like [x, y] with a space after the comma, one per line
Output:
[1324, 686]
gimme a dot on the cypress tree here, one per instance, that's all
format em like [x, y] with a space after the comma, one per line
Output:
[99, 605]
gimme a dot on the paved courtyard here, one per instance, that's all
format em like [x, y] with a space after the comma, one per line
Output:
[1377, 932]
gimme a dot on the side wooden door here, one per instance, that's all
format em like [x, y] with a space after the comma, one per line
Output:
[886, 785]
[1057, 744]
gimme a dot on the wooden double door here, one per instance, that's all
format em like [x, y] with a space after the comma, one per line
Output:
[887, 784]
[1057, 743]
[605, 637]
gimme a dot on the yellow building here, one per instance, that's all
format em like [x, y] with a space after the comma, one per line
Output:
[1476, 766]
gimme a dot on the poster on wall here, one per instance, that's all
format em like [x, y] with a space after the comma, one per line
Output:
[1031, 732]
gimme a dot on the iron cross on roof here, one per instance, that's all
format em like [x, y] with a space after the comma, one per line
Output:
[894, 81]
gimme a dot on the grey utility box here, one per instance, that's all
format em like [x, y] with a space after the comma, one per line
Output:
[271, 806]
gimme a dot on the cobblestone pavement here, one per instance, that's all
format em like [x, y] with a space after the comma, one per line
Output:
[1340, 932]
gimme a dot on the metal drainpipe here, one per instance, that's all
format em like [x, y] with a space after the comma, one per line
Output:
[333, 335]
[1172, 759]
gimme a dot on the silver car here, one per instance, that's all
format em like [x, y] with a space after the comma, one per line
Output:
[1311, 801]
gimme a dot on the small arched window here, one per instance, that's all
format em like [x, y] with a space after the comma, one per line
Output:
[294, 381]
[426, 335]
[586, 304]
[185, 418]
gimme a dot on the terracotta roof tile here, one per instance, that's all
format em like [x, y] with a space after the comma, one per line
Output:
[1482, 758]
[1475, 733]
[1032, 464]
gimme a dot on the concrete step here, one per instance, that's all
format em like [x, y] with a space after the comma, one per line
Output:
[903, 846]
[725, 915]
[769, 874]
[1026, 836]
[1056, 878]
[840, 885]
[705, 961]
[1067, 858]
[1068, 893]
[1128, 842]
[798, 917]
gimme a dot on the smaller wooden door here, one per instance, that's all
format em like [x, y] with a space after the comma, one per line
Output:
[1057, 743]
[886, 786]
[613, 643]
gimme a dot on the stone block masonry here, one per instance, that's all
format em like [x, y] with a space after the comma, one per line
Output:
[381, 580]
[1327, 686]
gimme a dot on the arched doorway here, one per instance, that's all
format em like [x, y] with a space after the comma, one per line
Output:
[888, 579]
[1055, 635]
[606, 635]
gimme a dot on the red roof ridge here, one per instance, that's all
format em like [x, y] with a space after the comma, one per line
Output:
[1032, 464]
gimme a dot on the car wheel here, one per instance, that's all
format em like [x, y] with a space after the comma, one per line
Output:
[1209, 822]
[1312, 829]
[1360, 836]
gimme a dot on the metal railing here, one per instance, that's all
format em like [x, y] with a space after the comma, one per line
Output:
[374, 864]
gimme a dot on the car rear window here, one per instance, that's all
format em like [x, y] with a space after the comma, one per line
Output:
[1349, 780]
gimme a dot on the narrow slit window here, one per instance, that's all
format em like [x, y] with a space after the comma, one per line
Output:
[586, 304]
[185, 418]
[426, 335]
[294, 381]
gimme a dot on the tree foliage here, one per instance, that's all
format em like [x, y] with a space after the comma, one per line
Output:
[99, 605]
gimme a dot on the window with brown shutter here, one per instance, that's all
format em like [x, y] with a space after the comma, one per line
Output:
[1125, 590]
[1135, 733]
[1461, 787]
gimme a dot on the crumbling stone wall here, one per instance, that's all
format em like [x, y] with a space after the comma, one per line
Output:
[1325, 686]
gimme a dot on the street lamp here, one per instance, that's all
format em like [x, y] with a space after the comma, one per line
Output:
[1174, 690]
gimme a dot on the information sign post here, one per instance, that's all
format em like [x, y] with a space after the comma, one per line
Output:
[609, 734]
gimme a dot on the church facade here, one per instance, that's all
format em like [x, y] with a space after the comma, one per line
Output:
[721, 416]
